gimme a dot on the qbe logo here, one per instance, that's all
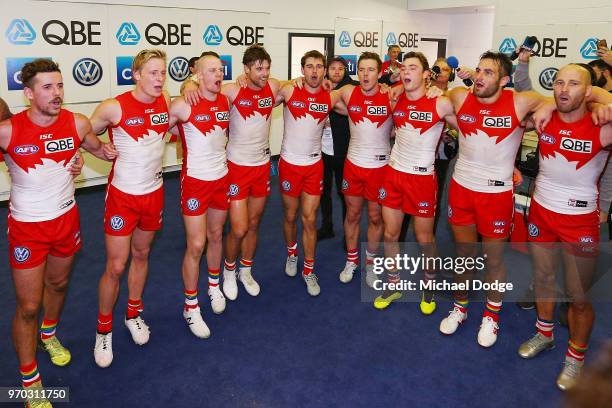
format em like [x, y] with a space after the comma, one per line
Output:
[21, 254]
[547, 78]
[421, 116]
[589, 49]
[391, 39]
[128, 34]
[351, 63]
[59, 145]
[178, 69]
[226, 60]
[87, 71]
[212, 35]
[222, 116]
[264, 102]
[20, 32]
[116, 222]
[159, 118]
[507, 46]
[124, 70]
[13, 71]
[345, 39]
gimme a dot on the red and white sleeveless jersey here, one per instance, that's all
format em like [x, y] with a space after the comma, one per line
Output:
[418, 128]
[41, 187]
[204, 138]
[139, 139]
[370, 124]
[571, 162]
[249, 128]
[489, 138]
[304, 117]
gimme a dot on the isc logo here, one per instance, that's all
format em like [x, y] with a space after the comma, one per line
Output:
[421, 116]
[159, 118]
[222, 116]
[318, 107]
[265, 102]
[575, 145]
[504, 122]
[377, 110]
[60, 145]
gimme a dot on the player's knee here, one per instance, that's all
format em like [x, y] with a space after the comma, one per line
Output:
[391, 236]
[58, 285]
[580, 305]
[115, 268]
[254, 224]
[309, 220]
[375, 219]
[290, 217]
[239, 231]
[195, 247]
[424, 237]
[28, 311]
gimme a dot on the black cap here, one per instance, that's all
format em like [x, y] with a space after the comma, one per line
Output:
[337, 58]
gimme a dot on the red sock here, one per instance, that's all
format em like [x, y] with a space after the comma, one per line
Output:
[246, 263]
[576, 351]
[308, 266]
[134, 308]
[105, 323]
[492, 310]
[352, 255]
[292, 249]
[545, 327]
[230, 266]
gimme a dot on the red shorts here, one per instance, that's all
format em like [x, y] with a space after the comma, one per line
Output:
[197, 195]
[294, 179]
[414, 194]
[248, 181]
[492, 213]
[31, 242]
[124, 212]
[548, 226]
[362, 182]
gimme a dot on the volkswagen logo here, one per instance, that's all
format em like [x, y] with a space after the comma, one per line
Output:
[234, 190]
[533, 230]
[286, 185]
[21, 254]
[547, 78]
[382, 193]
[179, 69]
[87, 71]
[116, 222]
[193, 204]
[345, 184]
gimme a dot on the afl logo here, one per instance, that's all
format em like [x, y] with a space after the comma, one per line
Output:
[135, 121]
[286, 185]
[547, 78]
[345, 184]
[298, 104]
[234, 190]
[202, 118]
[245, 102]
[548, 139]
[533, 230]
[87, 71]
[382, 194]
[193, 204]
[21, 254]
[25, 150]
[116, 222]
[467, 118]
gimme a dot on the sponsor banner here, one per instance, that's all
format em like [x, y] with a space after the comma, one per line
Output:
[94, 44]
[354, 36]
[409, 36]
[557, 45]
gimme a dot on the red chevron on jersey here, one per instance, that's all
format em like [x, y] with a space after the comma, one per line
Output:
[208, 115]
[32, 145]
[316, 105]
[248, 101]
[497, 120]
[577, 142]
[374, 108]
[421, 113]
[140, 120]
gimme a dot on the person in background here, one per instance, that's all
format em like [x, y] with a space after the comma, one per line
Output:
[336, 137]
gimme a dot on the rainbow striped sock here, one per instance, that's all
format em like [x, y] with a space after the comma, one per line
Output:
[545, 327]
[29, 374]
[462, 305]
[213, 277]
[492, 310]
[576, 351]
[48, 328]
[246, 263]
[191, 299]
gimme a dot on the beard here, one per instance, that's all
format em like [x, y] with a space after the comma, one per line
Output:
[601, 81]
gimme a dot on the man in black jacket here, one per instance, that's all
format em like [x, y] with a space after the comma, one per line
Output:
[335, 146]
